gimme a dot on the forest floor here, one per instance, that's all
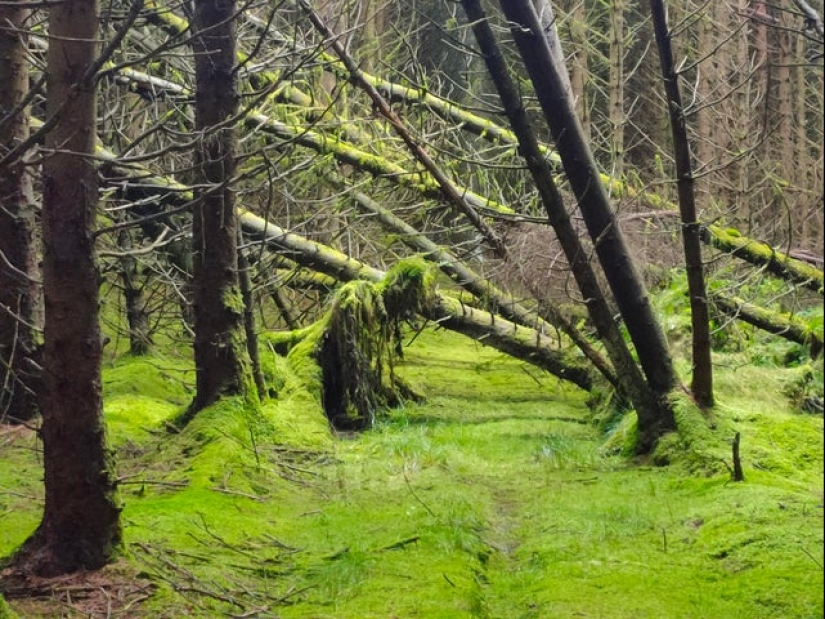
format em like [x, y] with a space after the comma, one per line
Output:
[496, 498]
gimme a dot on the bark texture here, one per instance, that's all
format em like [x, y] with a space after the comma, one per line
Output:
[220, 343]
[80, 527]
[140, 340]
[18, 291]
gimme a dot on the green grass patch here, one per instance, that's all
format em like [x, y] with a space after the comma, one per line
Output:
[499, 496]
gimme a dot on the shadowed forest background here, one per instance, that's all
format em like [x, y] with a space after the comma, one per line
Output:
[411, 309]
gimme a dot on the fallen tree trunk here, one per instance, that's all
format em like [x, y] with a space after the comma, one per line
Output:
[336, 264]
[485, 291]
[752, 251]
[427, 178]
[761, 254]
[521, 342]
[413, 142]
[782, 265]
[780, 324]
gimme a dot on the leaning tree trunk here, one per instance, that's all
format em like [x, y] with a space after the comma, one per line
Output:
[222, 365]
[611, 248]
[482, 289]
[632, 385]
[81, 520]
[702, 385]
[18, 289]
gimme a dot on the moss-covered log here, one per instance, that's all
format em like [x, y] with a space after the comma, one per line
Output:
[783, 325]
[520, 342]
[762, 254]
[750, 250]
[487, 294]
[361, 340]
[512, 339]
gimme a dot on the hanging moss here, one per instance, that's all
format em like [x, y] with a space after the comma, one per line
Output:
[361, 341]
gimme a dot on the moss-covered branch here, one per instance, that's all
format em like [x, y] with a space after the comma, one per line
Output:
[487, 294]
[427, 179]
[413, 142]
[783, 325]
[752, 251]
[762, 254]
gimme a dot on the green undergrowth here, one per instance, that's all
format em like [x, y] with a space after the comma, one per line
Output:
[498, 497]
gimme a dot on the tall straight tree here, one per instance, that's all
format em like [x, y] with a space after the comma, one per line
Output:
[581, 170]
[81, 520]
[222, 364]
[702, 384]
[18, 288]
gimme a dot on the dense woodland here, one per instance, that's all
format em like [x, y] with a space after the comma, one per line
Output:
[237, 237]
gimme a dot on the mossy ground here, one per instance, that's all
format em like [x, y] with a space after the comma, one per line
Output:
[497, 498]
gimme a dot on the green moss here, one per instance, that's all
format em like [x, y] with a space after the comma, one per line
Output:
[495, 497]
[5, 611]
[233, 300]
[621, 439]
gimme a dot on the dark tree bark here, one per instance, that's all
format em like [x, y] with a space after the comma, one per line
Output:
[18, 269]
[738, 475]
[81, 520]
[702, 384]
[602, 225]
[222, 364]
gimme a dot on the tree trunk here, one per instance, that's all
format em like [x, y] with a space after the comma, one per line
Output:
[137, 320]
[702, 385]
[611, 248]
[579, 61]
[616, 84]
[18, 268]
[221, 359]
[80, 527]
[249, 323]
[632, 384]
